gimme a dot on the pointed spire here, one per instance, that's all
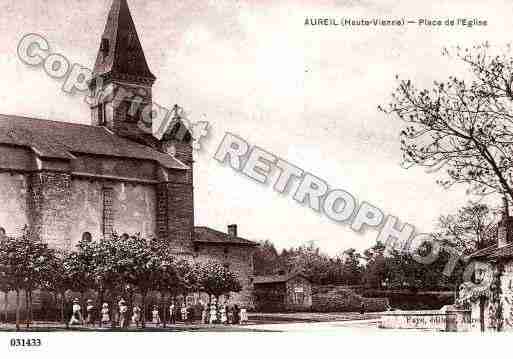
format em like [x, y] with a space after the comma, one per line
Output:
[121, 53]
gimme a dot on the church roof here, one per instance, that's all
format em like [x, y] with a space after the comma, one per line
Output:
[207, 235]
[121, 52]
[61, 140]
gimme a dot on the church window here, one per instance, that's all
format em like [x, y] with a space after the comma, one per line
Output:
[102, 121]
[107, 215]
[133, 113]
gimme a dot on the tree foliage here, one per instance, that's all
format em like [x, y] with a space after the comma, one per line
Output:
[469, 228]
[464, 126]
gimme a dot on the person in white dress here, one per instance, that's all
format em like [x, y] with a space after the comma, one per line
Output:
[76, 318]
[172, 313]
[183, 311]
[123, 313]
[213, 313]
[155, 316]
[136, 316]
[222, 314]
[105, 314]
[243, 315]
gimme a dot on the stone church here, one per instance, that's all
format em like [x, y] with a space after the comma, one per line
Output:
[65, 179]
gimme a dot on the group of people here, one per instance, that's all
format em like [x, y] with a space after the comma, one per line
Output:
[205, 313]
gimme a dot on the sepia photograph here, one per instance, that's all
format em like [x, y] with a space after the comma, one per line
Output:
[279, 173]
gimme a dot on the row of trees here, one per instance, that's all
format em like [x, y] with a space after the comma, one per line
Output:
[470, 228]
[122, 266]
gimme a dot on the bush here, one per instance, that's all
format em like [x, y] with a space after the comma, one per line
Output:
[345, 300]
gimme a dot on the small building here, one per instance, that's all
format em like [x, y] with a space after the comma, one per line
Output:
[283, 292]
[234, 252]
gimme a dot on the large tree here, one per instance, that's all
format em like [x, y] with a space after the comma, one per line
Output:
[464, 126]
[26, 262]
[469, 228]
[215, 279]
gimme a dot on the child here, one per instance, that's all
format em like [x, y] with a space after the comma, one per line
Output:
[123, 309]
[76, 318]
[229, 310]
[172, 313]
[222, 315]
[156, 316]
[136, 317]
[213, 313]
[184, 313]
[90, 312]
[243, 315]
[105, 314]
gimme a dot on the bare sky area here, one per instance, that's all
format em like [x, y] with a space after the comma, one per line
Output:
[307, 94]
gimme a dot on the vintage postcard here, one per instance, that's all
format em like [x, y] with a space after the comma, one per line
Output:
[237, 170]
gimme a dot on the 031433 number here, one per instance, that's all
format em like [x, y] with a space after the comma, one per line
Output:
[20, 342]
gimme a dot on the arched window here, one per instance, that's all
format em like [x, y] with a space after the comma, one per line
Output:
[86, 236]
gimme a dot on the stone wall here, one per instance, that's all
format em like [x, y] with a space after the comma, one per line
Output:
[507, 296]
[13, 199]
[133, 208]
[434, 320]
[60, 209]
[239, 260]
[49, 202]
[175, 205]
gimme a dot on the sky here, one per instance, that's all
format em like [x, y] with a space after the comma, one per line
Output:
[308, 94]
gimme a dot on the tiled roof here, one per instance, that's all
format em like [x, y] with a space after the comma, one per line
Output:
[61, 140]
[484, 252]
[278, 278]
[494, 252]
[124, 54]
[503, 252]
[211, 236]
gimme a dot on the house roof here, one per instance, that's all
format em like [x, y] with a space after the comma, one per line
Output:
[205, 235]
[121, 51]
[62, 140]
[503, 252]
[278, 278]
[493, 252]
[482, 253]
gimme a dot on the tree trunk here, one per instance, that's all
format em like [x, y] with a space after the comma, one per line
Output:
[112, 313]
[166, 310]
[143, 323]
[100, 305]
[82, 307]
[63, 297]
[6, 302]
[17, 309]
[27, 309]
[130, 305]
[30, 314]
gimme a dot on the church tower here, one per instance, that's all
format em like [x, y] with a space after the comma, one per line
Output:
[122, 81]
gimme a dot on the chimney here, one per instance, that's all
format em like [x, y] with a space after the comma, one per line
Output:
[505, 229]
[232, 230]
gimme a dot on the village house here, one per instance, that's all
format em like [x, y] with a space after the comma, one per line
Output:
[489, 295]
[66, 179]
[282, 292]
